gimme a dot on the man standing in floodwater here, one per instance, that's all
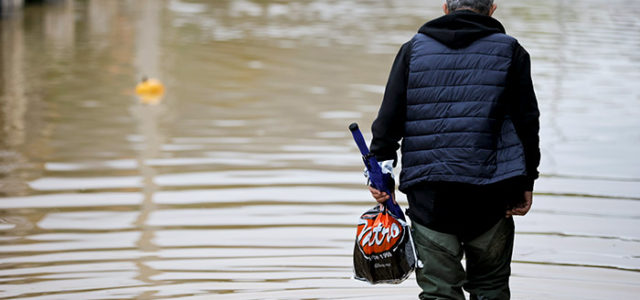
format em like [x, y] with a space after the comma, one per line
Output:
[461, 99]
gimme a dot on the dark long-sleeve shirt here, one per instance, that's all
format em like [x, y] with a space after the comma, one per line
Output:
[457, 208]
[519, 97]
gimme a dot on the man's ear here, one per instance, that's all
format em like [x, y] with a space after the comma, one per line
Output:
[492, 9]
[445, 8]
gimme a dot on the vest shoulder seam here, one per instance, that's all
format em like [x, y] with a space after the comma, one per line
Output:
[455, 69]
[455, 85]
[509, 40]
[453, 117]
[448, 101]
[461, 53]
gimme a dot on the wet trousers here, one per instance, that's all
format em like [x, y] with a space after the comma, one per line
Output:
[488, 263]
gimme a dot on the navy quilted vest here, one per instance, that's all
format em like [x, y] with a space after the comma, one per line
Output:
[455, 129]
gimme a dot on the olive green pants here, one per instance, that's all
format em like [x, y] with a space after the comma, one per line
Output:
[488, 260]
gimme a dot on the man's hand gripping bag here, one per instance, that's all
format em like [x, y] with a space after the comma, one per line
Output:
[384, 251]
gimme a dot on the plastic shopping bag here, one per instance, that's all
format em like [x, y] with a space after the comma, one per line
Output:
[384, 251]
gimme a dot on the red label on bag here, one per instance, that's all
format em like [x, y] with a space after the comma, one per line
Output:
[378, 233]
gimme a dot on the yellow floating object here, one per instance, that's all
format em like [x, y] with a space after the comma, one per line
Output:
[150, 91]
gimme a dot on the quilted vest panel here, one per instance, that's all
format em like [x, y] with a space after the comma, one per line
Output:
[456, 130]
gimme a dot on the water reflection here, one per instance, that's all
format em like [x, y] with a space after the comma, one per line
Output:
[13, 103]
[244, 183]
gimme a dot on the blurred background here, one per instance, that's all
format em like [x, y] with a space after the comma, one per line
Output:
[243, 181]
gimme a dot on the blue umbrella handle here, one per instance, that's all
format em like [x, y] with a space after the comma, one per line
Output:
[375, 173]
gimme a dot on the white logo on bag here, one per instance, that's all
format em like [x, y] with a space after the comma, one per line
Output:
[376, 235]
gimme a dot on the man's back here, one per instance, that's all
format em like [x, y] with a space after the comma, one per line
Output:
[455, 127]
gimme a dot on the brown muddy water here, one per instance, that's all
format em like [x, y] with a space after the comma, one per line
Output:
[243, 183]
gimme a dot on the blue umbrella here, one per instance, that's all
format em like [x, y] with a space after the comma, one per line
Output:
[378, 180]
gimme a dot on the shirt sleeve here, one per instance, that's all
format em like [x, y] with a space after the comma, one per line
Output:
[388, 127]
[523, 109]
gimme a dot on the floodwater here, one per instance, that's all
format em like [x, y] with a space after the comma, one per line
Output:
[243, 183]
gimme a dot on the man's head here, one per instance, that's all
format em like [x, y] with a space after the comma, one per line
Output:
[485, 7]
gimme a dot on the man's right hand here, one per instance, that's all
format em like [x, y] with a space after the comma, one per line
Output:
[380, 197]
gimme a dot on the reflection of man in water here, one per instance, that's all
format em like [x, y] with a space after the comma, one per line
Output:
[460, 97]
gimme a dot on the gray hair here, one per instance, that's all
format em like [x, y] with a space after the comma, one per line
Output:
[480, 6]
